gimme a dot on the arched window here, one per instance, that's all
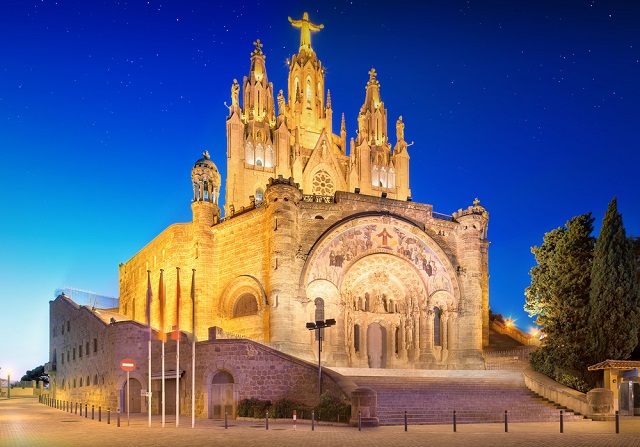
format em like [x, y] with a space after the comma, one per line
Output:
[437, 326]
[375, 177]
[88, 381]
[319, 302]
[80, 382]
[308, 93]
[222, 377]
[356, 337]
[383, 177]
[245, 305]
[63, 384]
[259, 195]
[249, 156]
[259, 155]
[95, 379]
[391, 178]
[296, 90]
[268, 157]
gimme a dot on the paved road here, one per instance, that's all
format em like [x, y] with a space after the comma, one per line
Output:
[25, 422]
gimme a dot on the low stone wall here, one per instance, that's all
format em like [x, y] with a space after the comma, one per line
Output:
[597, 404]
[515, 333]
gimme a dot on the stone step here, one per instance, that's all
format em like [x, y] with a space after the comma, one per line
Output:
[431, 400]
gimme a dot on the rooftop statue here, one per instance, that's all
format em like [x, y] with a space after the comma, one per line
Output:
[305, 30]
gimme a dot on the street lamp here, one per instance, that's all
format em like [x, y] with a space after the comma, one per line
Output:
[316, 326]
[8, 384]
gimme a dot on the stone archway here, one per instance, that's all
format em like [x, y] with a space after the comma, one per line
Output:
[222, 396]
[135, 400]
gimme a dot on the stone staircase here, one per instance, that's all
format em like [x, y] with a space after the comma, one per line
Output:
[481, 397]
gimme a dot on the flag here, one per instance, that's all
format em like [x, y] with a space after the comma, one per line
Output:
[149, 296]
[175, 334]
[161, 298]
[193, 304]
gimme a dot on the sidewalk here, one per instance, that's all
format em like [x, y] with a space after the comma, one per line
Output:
[25, 422]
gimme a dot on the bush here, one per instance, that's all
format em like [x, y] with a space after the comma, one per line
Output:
[330, 408]
[253, 408]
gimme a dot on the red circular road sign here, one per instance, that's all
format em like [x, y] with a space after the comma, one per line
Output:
[128, 365]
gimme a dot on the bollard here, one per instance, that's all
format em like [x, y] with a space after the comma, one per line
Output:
[267, 420]
[617, 421]
[118, 417]
[454, 421]
[359, 420]
[405, 420]
[294, 419]
[77, 407]
[86, 411]
[313, 420]
[109, 415]
[99, 414]
[506, 422]
[226, 424]
[561, 422]
[92, 412]
[80, 409]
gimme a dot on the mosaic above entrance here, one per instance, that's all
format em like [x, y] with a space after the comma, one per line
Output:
[336, 256]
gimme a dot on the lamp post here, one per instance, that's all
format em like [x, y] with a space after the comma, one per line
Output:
[316, 326]
[8, 384]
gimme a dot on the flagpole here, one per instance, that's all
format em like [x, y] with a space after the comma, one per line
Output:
[193, 349]
[149, 293]
[177, 334]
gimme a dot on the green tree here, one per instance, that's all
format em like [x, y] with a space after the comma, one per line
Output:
[559, 296]
[36, 374]
[615, 294]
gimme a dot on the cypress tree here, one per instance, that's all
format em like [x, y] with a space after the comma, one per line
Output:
[614, 295]
[559, 296]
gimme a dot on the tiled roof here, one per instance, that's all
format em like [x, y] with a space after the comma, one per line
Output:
[616, 364]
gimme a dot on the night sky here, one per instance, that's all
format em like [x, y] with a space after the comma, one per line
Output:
[533, 107]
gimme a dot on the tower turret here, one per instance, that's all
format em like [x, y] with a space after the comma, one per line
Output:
[205, 180]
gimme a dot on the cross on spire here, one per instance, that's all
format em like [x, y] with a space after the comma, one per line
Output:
[258, 46]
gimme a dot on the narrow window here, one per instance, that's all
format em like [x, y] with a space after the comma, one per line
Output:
[436, 327]
[356, 337]
[80, 351]
[95, 345]
[87, 348]
[319, 302]
[397, 340]
[74, 355]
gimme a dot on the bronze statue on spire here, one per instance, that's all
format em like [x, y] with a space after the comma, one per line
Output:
[305, 30]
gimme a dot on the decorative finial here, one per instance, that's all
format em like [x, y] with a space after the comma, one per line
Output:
[258, 46]
[476, 202]
[205, 154]
[305, 30]
[372, 74]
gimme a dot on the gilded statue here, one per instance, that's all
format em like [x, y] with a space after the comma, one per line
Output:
[305, 30]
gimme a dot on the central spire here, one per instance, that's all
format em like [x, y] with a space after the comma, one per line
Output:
[305, 30]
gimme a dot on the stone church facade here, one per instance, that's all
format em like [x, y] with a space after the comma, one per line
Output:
[316, 226]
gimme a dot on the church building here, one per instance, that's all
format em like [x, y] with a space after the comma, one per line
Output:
[316, 226]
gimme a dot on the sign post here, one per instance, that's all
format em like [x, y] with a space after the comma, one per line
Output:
[128, 365]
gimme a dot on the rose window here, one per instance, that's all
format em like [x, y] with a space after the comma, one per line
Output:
[323, 184]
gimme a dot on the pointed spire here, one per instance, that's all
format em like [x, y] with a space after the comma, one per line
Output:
[343, 126]
[328, 99]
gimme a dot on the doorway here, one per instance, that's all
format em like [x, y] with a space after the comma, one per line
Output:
[376, 346]
[222, 399]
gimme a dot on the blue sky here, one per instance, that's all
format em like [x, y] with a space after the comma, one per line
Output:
[533, 107]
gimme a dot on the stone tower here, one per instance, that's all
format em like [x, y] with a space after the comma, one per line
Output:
[298, 141]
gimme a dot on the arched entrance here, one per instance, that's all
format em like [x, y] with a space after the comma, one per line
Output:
[376, 346]
[135, 400]
[222, 396]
